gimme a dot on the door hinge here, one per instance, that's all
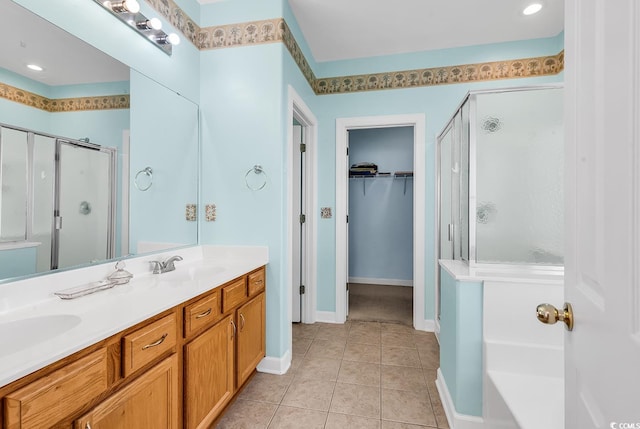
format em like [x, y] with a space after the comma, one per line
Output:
[347, 218]
[347, 151]
[58, 222]
[302, 289]
[303, 218]
[303, 147]
[347, 287]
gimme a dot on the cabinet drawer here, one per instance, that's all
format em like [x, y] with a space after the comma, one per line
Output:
[146, 344]
[256, 282]
[233, 294]
[57, 395]
[201, 312]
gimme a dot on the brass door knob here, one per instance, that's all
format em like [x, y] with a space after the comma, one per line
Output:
[548, 314]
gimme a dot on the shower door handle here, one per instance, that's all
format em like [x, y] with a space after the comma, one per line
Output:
[450, 227]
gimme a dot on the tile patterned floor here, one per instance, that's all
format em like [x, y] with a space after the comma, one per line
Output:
[357, 375]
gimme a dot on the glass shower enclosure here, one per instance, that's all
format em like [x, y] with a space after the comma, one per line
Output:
[58, 198]
[500, 172]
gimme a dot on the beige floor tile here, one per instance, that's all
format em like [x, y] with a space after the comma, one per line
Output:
[438, 410]
[319, 369]
[400, 356]
[247, 415]
[266, 388]
[397, 425]
[430, 358]
[407, 407]
[331, 349]
[425, 340]
[430, 374]
[396, 328]
[300, 346]
[295, 418]
[310, 394]
[296, 360]
[367, 374]
[394, 339]
[358, 325]
[356, 400]
[363, 337]
[362, 353]
[403, 378]
[346, 421]
[303, 330]
[329, 332]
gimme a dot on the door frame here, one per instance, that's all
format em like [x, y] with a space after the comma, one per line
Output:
[298, 109]
[343, 125]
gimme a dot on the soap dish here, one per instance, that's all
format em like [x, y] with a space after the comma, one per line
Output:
[86, 289]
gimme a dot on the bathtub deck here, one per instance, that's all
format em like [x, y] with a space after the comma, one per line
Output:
[535, 401]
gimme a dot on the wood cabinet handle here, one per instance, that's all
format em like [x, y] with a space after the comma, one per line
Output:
[87, 426]
[204, 314]
[233, 332]
[241, 321]
[259, 281]
[155, 343]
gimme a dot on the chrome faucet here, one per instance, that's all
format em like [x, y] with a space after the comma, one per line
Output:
[166, 266]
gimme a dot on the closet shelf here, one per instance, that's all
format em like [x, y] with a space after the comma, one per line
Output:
[397, 175]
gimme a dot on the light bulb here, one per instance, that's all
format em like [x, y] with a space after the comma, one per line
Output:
[149, 24]
[173, 38]
[532, 8]
[131, 6]
[34, 67]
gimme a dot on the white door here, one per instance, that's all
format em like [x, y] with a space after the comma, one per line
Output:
[602, 117]
[299, 226]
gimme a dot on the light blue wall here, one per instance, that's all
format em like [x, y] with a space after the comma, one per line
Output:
[461, 343]
[242, 125]
[17, 262]
[381, 209]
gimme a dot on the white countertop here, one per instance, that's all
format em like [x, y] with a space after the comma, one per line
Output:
[460, 270]
[95, 317]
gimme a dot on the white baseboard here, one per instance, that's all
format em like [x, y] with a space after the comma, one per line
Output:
[274, 365]
[456, 421]
[326, 317]
[425, 325]
[386, 282]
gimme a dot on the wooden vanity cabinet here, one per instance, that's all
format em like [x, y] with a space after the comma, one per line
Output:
[251, 337]
[150, 401]
[180, 368]
[209, 374]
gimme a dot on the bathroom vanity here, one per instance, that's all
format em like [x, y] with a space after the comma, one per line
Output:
[164, 351]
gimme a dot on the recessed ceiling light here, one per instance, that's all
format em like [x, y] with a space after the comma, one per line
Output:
[34, 67]
[532, 8]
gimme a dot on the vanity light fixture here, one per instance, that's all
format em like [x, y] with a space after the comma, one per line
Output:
[128, 11]
[533, 8]
[35, 67]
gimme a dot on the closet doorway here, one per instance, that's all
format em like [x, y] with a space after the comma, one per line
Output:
[371, 195]
[380, 240]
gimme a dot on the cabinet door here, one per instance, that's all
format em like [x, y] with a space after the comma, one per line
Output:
[150, 402]
[208, 374]
[251, 337]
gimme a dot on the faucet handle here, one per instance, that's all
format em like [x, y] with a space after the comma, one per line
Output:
[157, 267]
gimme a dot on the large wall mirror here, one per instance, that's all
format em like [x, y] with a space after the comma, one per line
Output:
[97, 161]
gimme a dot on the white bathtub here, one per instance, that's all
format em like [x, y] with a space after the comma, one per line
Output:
[523, 358]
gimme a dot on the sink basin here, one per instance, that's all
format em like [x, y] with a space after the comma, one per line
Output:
[23, 333]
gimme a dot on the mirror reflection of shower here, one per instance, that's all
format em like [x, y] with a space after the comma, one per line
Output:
[57, 202]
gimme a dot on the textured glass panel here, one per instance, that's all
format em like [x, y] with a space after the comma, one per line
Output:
[519, 212]
[464, 182]
[455, 184]
[13, 183]
[44, 149]
[84, 205]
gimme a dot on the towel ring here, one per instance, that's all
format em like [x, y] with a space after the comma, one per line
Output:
[147, 171]
[257, 169]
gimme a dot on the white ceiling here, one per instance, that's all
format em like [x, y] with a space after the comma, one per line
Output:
[347, 29]
[25, 38]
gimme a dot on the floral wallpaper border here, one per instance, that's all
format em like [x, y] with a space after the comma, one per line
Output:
[277, 30]
[496, 70]
[106, 102]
